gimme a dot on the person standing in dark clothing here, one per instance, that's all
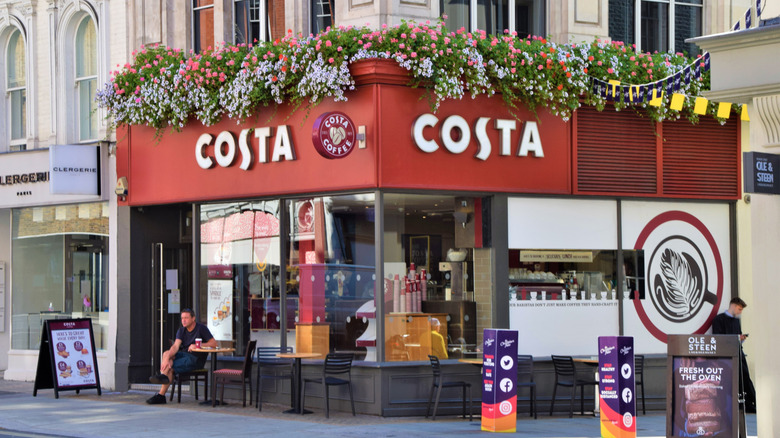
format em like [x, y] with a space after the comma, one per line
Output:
[728, 323]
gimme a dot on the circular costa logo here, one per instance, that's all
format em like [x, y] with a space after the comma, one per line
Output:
[78, 345]
[684, 277]
[334, 135]
[60, 346]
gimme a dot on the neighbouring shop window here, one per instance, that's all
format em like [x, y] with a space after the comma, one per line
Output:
[240, 272]
[663, 25]
[202, 25]
[16, 91]
[526, 17]
[321, 15]
[431, 260]
[86, 78]
[249, 19]
[331, 274]
[59, 265]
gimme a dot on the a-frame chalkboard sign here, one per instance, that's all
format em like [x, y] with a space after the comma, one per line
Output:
[67, 359]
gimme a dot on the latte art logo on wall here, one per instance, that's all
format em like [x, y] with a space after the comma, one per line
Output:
[334, 135]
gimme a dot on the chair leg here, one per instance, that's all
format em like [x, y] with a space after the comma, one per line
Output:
[471, 406]
[173, 388]
[179, 398]
[436, 404]
[196, 380]
[243, 393]
[643, 397]
[582, 399]
[327, 399]
[430, 399]
[259, 398]
[571, 404]
[533, 401]
[351, 400]
[222, 392]
[214, 398]
[552, 403]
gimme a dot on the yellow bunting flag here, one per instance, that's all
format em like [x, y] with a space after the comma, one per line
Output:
[744, 115]
[700, 107]
[677, 101]
[657, 98]
[724, 110]
[614, 84]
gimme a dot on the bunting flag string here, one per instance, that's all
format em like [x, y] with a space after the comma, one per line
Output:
[655, 93]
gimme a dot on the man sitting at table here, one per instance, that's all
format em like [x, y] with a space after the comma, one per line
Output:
[179, 357]
[438, 347]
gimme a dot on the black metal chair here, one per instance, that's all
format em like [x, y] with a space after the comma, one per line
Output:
[242, 376]
[566, 375]
[190, 376]
[525, 378]
[439, 383]
[639, 377]
[336, 364]
[269, 366]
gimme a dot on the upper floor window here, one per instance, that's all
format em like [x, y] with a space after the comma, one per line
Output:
[86, 78]
[321, 15]
[250, 21]
[656, 25]
[202, 25]
[16, 91]
[526, 17]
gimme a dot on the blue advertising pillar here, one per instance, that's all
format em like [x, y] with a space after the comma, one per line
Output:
[499, 377]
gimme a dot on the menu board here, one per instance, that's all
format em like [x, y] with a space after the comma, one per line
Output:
[67, 359]
[499, 375]
[220, 316]
[702, 386]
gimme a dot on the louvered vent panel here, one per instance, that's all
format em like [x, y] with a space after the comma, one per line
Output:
[616, 152]
[701, 160]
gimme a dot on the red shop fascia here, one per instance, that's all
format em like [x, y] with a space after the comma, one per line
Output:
[398, 142]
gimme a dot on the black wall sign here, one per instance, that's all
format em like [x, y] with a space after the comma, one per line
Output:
[762, 172]
[67, 359]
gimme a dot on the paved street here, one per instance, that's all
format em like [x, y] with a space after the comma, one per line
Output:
[125, 414]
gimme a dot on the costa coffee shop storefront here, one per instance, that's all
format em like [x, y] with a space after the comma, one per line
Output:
[351, 228]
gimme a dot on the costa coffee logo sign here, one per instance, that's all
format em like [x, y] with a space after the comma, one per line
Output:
[455, 133]
[224, 147]
[684, 275]
[334, 135]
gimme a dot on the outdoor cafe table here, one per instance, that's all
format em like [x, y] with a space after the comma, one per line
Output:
[593, 362]
[298, 409]
[214, 352]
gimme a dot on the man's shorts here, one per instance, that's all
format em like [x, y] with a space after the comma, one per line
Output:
[184, 362]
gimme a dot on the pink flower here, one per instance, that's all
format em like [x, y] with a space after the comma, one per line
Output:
[610, 71]
[328, 43]
[330, 60]
[414, 54]
[599, 63]
[540, 67]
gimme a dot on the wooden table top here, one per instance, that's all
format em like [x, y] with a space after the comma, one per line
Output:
[472, 361]
[587, 360]
[213, 350]
[298, 355]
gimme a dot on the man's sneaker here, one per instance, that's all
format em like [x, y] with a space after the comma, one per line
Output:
[157, 399]
[160, 379]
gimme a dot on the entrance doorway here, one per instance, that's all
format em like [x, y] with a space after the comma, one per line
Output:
[171, 293]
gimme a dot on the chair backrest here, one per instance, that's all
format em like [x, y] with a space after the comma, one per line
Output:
[639, 366]
[525, 368]
[267, 355]
[338, 363]
[564, 366]
[435, 365]
[250, 349]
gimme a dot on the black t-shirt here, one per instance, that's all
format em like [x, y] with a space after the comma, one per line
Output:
[188, 338]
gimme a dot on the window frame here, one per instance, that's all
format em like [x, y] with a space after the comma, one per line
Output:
[264, 24]
[196, 30]
[673, 5]
[79, 81]
[21, 142]
[537, 15]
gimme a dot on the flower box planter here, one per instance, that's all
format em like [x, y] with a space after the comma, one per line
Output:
[378, 71]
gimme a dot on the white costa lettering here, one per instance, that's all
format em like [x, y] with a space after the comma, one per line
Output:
[224, 147]
[530, 141]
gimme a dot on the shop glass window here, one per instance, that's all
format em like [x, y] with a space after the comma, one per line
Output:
[656, 25]
[248, 19]
[16, 90]
[331, 273]
[321, 15]
[202, 25]
[430, 266]
[526, 17]
[59, 267]
[86, 78]
[240, 272]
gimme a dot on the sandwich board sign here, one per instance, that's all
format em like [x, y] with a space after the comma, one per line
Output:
[67, 359]
[702, 386]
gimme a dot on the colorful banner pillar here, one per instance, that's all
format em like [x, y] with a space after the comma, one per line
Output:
[616, 386]
[499, 378]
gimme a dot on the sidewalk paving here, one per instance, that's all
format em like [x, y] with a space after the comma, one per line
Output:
[126, 414]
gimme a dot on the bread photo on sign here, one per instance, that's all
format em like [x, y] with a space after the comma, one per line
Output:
[704, 416]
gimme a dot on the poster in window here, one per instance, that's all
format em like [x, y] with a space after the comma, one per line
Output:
[220, 309]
